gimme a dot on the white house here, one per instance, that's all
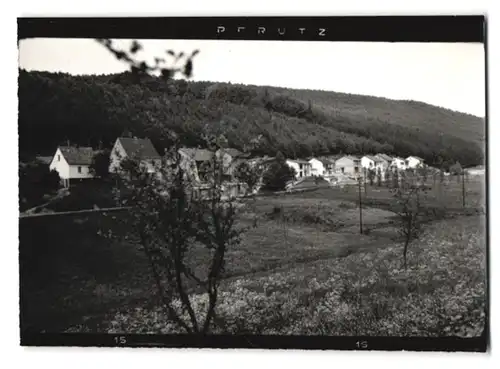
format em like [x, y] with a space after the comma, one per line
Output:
[317, 167]
[398, 163]
[302, 167]
[322, 167]
[72, 163]
[137, 149]
[375, 163]
[414, 162]
[369, 162]
[349, 165]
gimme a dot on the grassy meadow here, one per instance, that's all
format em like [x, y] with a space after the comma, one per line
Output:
[305, 269]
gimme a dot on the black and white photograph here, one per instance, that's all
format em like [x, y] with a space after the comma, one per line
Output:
[242, 190]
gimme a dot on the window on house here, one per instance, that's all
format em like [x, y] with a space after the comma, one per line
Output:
[79, 169]
[356, 169]
[300, 166]
[58, 157]
[342, 169]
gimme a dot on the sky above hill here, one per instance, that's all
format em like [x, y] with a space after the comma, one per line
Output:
[448, 75]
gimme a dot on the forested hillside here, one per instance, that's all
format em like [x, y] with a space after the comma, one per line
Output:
[94, 110]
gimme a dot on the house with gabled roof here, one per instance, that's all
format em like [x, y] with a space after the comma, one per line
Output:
[140, 150]
[230, 159]
[349, 165]
[398, 163]
[384, 157]
[369, 161]
[193, 161]
[414, 162]
[322, 166]
[302, 167]
[72, 163]
[374, 162]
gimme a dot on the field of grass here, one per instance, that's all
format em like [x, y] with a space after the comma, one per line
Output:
[73, 277]
[367, 293]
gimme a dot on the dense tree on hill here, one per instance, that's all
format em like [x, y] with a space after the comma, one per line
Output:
[92, 109]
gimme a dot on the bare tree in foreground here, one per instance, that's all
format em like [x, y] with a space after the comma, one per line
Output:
[171, 221]
[408, 209]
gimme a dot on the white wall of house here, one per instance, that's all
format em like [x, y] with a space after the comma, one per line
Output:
[367, 163]
[317, 167]
[398, 163]
[413, 162]
[60, 164]
[348, 166]
[117, 155]
[79, 172]
[301, 169]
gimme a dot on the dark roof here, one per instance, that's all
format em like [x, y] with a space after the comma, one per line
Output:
[44, 159]
[384, 157]
[416, 157]
[325, 160]
[139, 148]
[375, 158]
[334, 158]
[198, 154]
[350, 157]
[262, 160]
[300, 161]
[233, 152]
[77, 155]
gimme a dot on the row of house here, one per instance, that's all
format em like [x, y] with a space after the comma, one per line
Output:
[74, 162]
[351, 165]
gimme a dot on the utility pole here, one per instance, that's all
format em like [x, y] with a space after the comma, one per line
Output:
[463, 188]
[364, 178]
[360, 209]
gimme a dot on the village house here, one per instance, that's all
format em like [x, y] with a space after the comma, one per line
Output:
[398, 163]
[195, 161]
[371, 162]
[375, 163]
[302, 167]
[72, 163]
[230, 159]
[384, 157]
[322, 167]
[140, 150]
[414, 162]
[349, 165]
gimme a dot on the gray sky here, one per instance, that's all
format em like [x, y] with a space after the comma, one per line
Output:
[447, 75]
